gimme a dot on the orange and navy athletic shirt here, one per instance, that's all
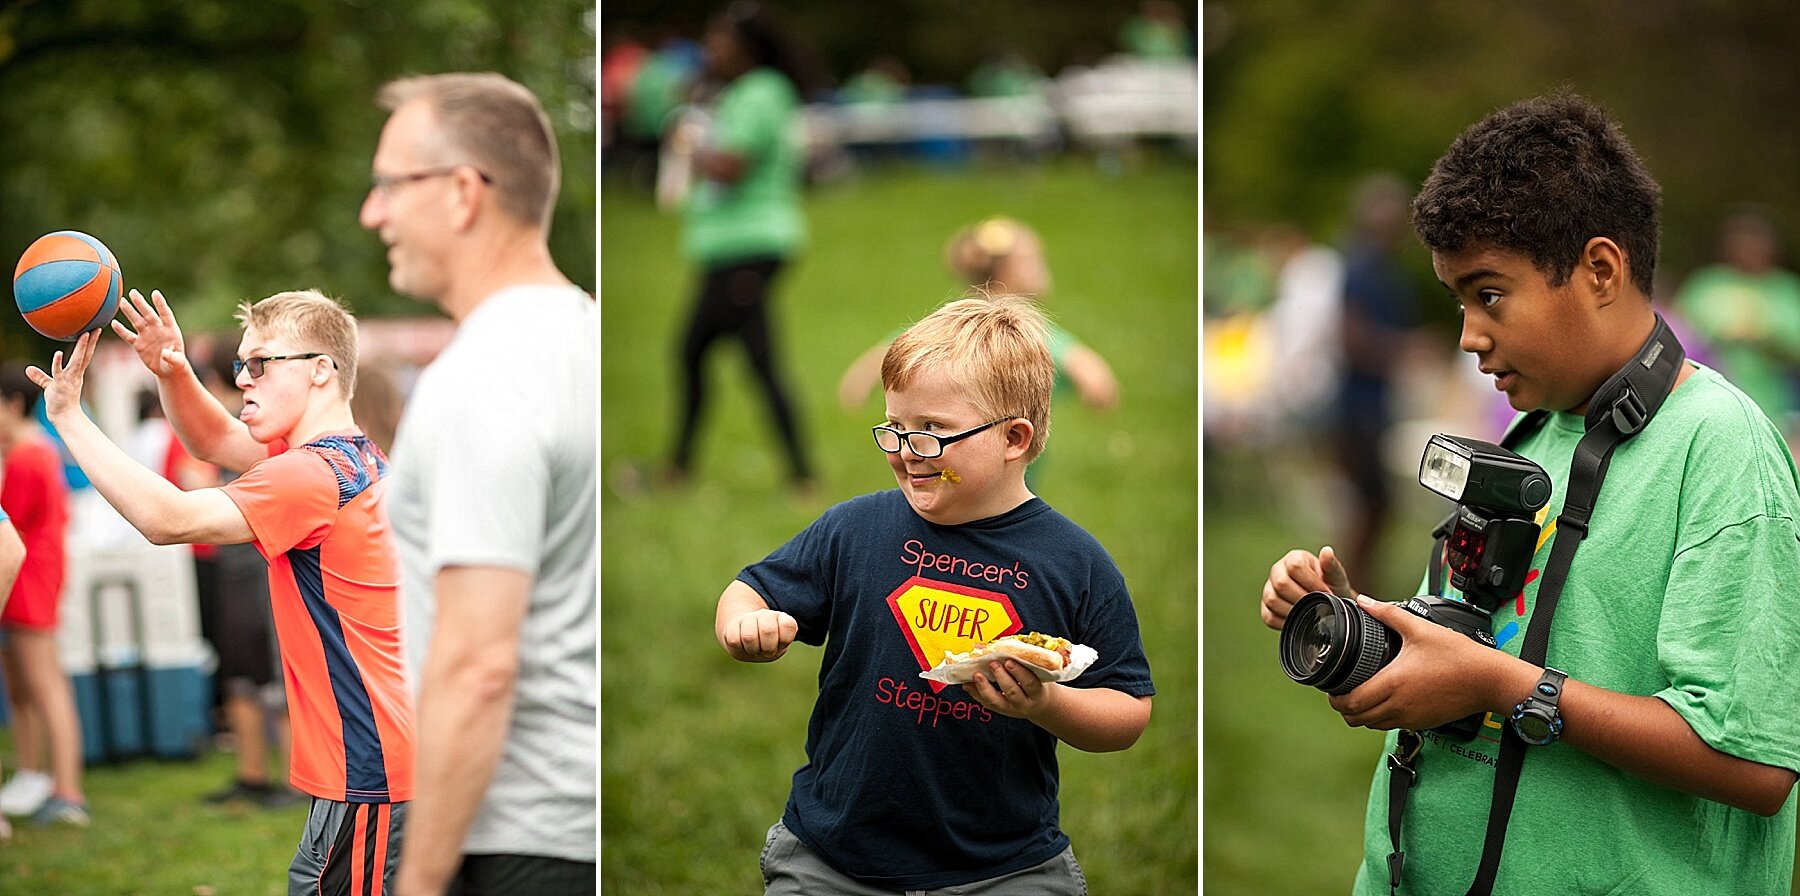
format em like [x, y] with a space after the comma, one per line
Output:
[318, 517]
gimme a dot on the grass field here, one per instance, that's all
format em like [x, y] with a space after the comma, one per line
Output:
[153, 836]
[697, 750]
[1286, 780]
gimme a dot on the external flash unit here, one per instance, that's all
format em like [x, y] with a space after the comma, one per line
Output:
[1470, 471]
[1493, 534]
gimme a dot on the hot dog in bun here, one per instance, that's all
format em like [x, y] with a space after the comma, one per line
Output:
[1043, 651]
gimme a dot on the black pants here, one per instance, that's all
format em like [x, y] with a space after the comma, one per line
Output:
[733, 301]
[505, 875]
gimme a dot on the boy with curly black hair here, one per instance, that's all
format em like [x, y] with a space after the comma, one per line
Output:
[1678, 625]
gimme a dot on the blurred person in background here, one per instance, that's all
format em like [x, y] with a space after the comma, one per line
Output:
[1002, 256]
[378, 403]
[1746, 307]
[12, 557]
[1305, 361]
[742, 221]
[648, 95]
[1375, 311]
[46, 728]
[884, 80]
[1157, 32]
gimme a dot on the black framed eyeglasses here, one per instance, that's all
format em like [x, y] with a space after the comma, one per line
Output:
[255, 364]
[386, 183]
[923, 444]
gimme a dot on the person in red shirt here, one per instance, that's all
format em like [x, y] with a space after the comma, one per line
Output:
[311, 501]
[12, 556]
[47, 729]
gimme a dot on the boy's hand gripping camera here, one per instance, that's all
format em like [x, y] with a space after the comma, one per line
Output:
[1329, 643]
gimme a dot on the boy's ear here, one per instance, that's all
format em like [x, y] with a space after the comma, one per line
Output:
[1604, 270]
[1019, 432]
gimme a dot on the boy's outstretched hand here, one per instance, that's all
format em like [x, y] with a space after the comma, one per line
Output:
[1295, 575]
[62, 385]
[157, 338]
[759, 636]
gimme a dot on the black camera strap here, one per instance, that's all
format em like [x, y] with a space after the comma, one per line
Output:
[1618, 411]
[1620, 408]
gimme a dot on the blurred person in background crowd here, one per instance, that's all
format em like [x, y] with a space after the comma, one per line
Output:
[1002, 256]
[12, 556]
[1156, 32]
[46, 728]
[378, 403]
[1746, 307]
[1303, 370]
[648, 93]
[1375, 311]
[742, 219]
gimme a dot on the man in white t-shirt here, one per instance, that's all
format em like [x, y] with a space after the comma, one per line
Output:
[493, 494]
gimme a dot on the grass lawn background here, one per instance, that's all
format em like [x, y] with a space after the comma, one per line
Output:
[153, 836]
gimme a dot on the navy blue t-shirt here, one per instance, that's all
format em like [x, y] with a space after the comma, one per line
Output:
[909, 783]
[1376, 291]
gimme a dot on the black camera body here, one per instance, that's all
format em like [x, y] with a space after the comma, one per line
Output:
[1331, 644]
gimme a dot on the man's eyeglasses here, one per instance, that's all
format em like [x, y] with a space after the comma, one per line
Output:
[923, 444]
[255, 364]
[386, 183]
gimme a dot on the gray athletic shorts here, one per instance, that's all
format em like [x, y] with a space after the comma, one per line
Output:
[790, 869]
[348, 849]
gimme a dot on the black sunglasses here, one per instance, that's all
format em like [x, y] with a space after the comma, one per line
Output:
[255, 364]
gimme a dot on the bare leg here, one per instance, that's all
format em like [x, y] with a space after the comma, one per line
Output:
[55, 699]
[245, 717]
[284, 744]
[27, 722]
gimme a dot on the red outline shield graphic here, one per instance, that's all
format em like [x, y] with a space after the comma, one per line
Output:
[973, 621]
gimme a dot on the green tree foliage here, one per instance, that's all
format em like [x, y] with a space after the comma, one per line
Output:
[221, 149]
[1300, 99]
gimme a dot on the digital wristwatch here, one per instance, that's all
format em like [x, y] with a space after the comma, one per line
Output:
[1536, 719]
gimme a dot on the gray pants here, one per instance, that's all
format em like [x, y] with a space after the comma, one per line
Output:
[790, 869]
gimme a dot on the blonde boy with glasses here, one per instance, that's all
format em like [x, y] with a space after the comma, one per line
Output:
[911, 784]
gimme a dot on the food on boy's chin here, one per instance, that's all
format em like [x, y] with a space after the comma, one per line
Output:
[1040, 650]
[948, 475]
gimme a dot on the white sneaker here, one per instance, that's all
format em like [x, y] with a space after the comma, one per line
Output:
[25, 793]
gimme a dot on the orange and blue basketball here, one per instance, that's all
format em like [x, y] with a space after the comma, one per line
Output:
[66, 284]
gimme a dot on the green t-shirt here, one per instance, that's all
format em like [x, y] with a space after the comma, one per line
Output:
[1752, 323]
[1684, 589]
[759, 215]
[655, 93]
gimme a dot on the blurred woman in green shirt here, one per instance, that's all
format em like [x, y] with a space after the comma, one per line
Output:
[742, 220]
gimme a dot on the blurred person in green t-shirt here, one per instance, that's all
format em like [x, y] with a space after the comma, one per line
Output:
[742, 221]
[1747, 309]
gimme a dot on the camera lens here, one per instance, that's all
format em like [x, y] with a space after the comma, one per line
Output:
[1329, 643]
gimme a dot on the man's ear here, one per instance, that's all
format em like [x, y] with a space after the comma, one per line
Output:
[471, 194]
[1603, 270]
